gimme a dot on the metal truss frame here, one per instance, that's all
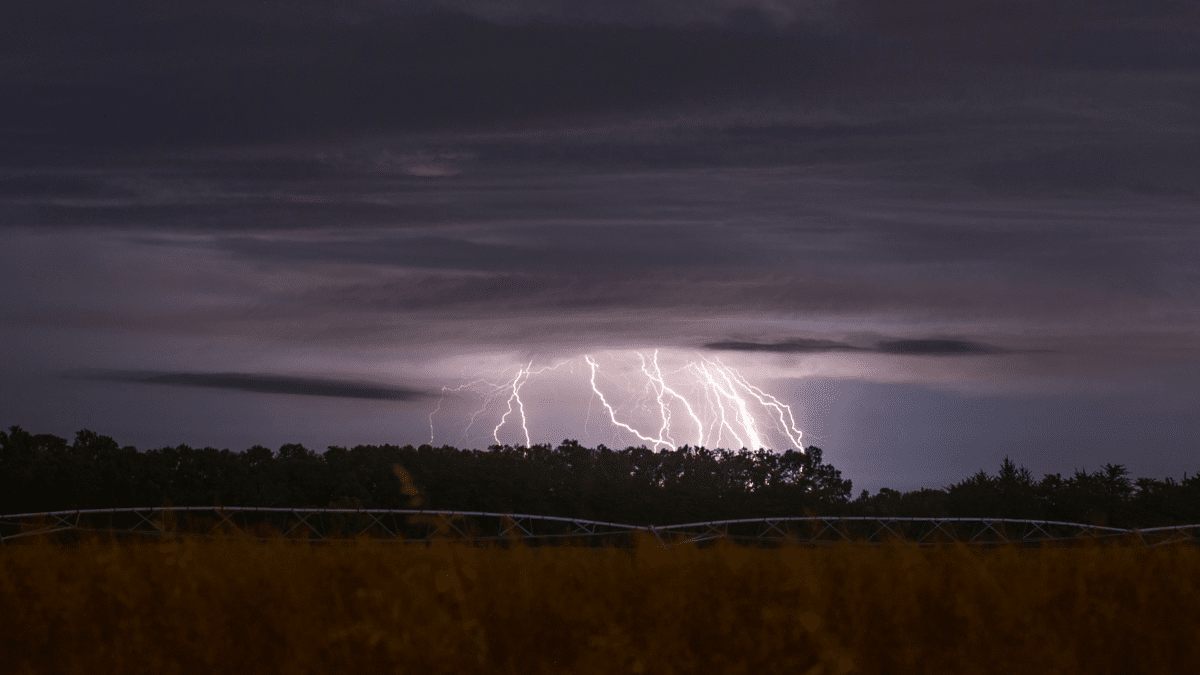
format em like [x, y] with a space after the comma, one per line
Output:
[308, 523]
[930, 531]
[394, 524]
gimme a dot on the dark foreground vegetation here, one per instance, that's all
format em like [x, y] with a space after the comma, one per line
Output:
[42, 472]
[366, 606]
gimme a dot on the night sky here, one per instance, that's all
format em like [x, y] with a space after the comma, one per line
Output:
[942, 232]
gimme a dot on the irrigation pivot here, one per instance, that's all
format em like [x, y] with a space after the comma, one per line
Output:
[424, 525]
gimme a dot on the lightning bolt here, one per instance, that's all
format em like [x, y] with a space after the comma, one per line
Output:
[435, 411]
[518, 381]
[490, 391]
[660, 384]
[704, 401]
[612, 414]
[784, 411]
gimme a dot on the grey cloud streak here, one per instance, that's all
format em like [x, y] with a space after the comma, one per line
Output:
[259, 383]
[937, 347]
[908, 347]
[795, 346]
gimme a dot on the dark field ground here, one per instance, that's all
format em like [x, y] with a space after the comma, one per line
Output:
[191, 605]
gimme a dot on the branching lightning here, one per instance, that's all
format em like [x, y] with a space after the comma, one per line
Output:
[702, 402]
[612, 414]
[490, 391]
[518, 381]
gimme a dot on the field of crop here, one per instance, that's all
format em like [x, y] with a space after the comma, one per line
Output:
[219, 606]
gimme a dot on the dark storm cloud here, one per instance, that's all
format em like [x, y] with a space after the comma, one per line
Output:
[37, 187]
[1154, 168]
[759, 15]
[926, 347]
[523, 250]
[1106, 34]
[152, 76]
[1077, 248]
[1139, 144]
[138, 73]
[493, 296]
[220, 216]
[267, 384]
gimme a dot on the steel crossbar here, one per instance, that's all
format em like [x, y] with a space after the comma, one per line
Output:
[883, 525]
[302, 519]
[987, 526]
[378, 522]
[1035, 527]
[829, 525]
[226, 519]
[582, 527]
[938, 526]
[509, 526]
[772, 525]
[147, 520]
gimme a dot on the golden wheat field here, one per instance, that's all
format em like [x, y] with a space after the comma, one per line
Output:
[236, 605]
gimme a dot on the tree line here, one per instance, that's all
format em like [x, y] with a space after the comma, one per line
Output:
[42, 472]
[1108, 496]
